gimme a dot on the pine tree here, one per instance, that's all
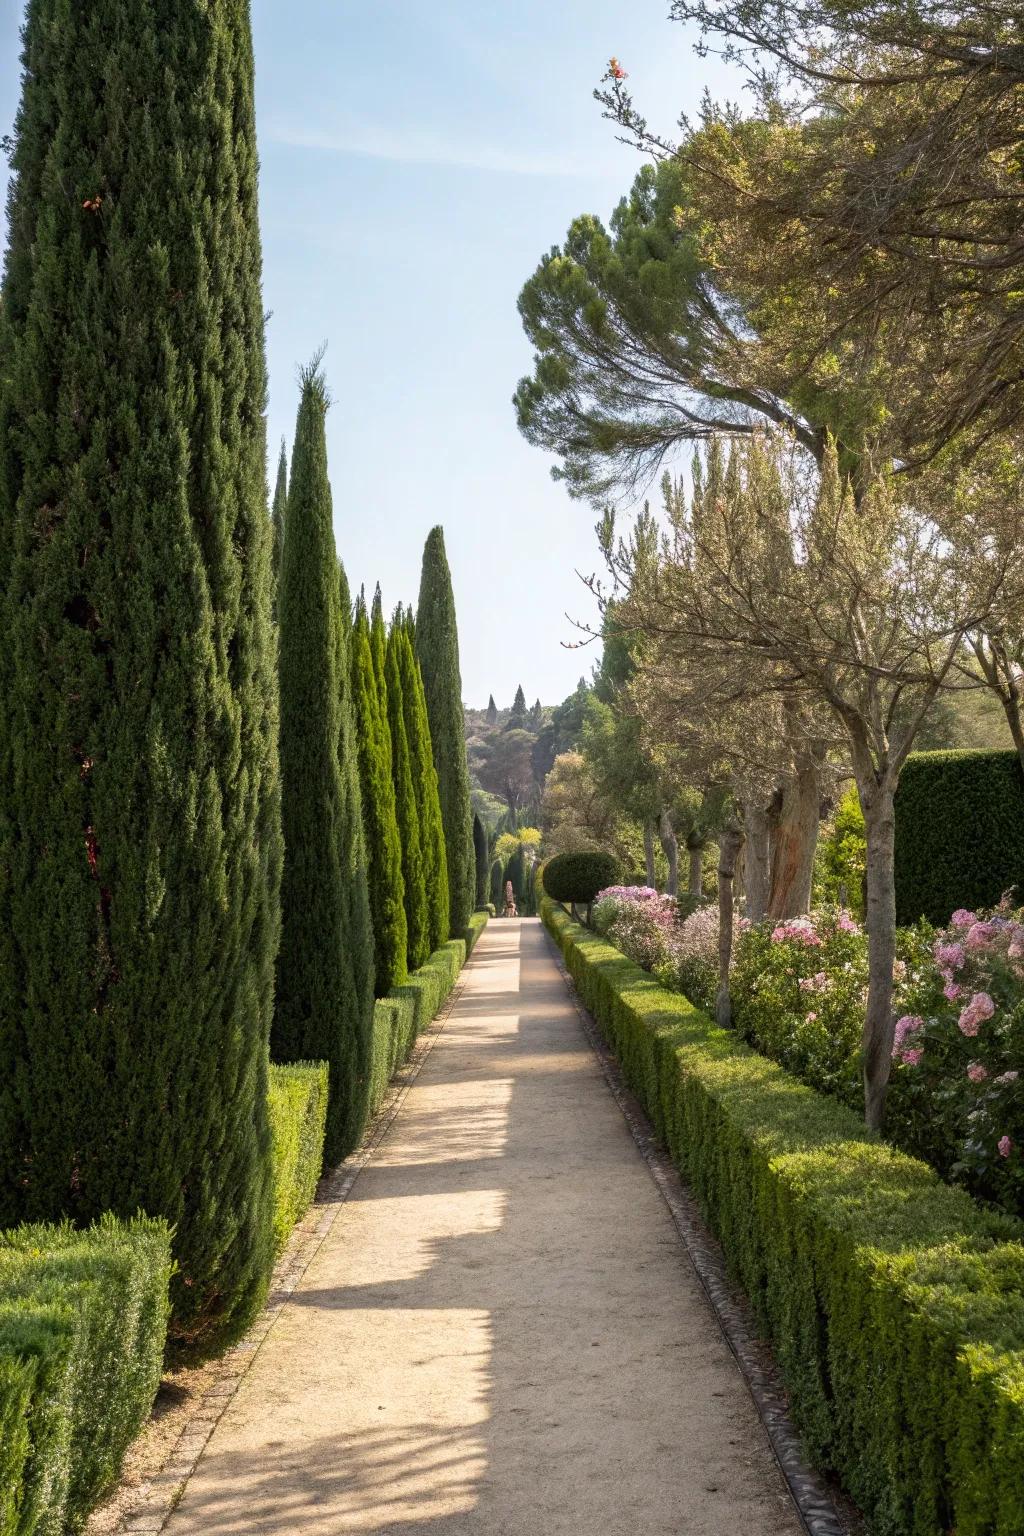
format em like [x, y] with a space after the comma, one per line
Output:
[322, 1011]
[437, 647]
[517, 714]
[492, 711]
[140, 843]
[387, 893]
[413, 869]
[428, 800]
[277, 513]
[481, 861]
[536, 713]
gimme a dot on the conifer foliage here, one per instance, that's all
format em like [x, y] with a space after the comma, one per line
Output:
[428, 799]
[483, 867]
[437, 647]
[277, 514]
[387, 888]
[407, 810]
[324, 1002]
[139, 803]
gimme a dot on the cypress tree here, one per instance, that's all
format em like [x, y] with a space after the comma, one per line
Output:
[428, 800]
[355, 864]
[481, 861]
[517, 714]
[379, 643]
[492, 710]
[140, 844]
[413, 871]
[437, 647]
[322, 1011]
[384, 853]
[498, 884]
[277, 511]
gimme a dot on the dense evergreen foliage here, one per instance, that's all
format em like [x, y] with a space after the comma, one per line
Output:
[322, 1012]
[406, 808]
[959, 833]
[380, 817]
[579, 876]
[498, 884]
[480, 853]
[139, 810]
[428, 798]
[277, 514]
[437, 647]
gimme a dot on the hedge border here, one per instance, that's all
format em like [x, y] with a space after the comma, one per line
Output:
[895, 1305]
[297, 1100]
[83, 1321]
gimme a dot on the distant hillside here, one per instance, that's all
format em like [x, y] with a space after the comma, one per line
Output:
[511, 750]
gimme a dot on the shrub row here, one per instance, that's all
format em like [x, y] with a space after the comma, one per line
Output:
[298, 1116]
[476, 926]
[399, 1017]
[83, 1318]
[895, 1304]
[959, 833]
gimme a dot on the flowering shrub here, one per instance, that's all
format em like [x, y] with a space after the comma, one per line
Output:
[956, 1096]
[799, 991]
[691, 964]
[609, 902]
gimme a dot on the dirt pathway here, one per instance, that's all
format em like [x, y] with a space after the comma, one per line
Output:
[501, 1332]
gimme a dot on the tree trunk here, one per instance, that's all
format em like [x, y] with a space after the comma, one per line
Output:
[757, 862]
[649, 850]
[880, 823]
[696, 872]
[1011, 709]
[794, 843]
[729, 845]
[669, 842]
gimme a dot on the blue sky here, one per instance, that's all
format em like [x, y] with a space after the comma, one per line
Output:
[418, 157]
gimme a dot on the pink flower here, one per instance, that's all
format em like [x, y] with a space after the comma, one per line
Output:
[846, 924]
[899, 969]
[949, 957]
[962, 918]
[811, 1018]
[800, 929]
[1005, 1146]
[1007, 1077]
[951, 992]
[979, 936]
[976, 1072]
[909, 1024]
[912, 1057]
[979, 1008]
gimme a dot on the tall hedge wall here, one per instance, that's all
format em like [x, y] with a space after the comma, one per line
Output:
[959, 832]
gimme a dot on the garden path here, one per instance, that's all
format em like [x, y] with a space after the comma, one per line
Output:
[501, 1332]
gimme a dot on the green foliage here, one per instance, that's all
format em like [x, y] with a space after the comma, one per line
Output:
[515, 871]
[428, 798]
[140, 842]
[959, 832]
[380, 816]
[83, 1319]
[414, 882]
[579, 876]
[278, 508]
[482, 863]
[841, 860]
[895, 1305]
[437, 648]
[407, 1010]
[497, 884]
[477, 924]
[323, 1009]
[298, 1120]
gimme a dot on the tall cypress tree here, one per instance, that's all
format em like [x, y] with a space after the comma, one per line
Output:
[387, 888]
[277, 512]
[379, 643]
[428, 799]
[483, 867]
[140, 843]
[492, 710]
[437, 647]
[413, 869]
[517, 714]
[323, 1010]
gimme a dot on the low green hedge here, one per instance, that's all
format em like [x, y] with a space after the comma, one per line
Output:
[297, 1098]
[477, 924]
[894, 1303]
[959, 833]
[83, 1318]
[399, 1017]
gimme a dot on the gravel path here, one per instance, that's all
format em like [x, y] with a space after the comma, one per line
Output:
[501, 1332]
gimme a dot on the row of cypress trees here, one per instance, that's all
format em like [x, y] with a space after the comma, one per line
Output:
[149, 904]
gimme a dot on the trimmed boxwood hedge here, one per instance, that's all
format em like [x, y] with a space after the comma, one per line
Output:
[83, 1319]
[399, 1018]
[894, 1303]
[297, 1096]
[477, 924]
[959, 833]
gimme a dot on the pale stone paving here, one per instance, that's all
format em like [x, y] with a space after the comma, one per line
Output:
[501, 1332]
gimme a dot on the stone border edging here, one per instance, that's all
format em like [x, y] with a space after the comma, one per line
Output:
[159, 1497]
[821, 1511]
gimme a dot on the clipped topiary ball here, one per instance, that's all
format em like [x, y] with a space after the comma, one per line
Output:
[579, 876]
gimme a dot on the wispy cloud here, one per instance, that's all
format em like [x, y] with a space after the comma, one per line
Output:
[417, 146]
